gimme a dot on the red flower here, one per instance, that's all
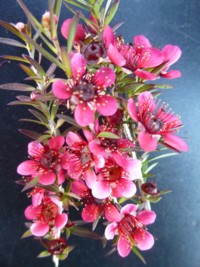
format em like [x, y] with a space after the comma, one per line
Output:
[131, 229]
[47, 216]
[78, 159]
[136, 58]
[115, 180]
[80, 32]
[155, 124]
[87, 91]
[45, 161]
[94, 207]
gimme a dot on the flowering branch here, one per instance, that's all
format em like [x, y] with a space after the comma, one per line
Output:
[108, 97]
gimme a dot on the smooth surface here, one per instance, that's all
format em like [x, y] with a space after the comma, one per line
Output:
[177, 227]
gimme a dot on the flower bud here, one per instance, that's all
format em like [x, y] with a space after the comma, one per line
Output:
[150, 188]
[57, 246]
[93, 52]
[46, 21]
[21, 27]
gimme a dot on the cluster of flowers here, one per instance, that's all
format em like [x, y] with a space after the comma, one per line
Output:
[118, 118]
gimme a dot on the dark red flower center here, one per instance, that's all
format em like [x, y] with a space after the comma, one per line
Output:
[85, 155]
[112, 174]
[49, 211]
[93, 52]
[85, 90]
[57, 246]
[127, 227]
[49, 158]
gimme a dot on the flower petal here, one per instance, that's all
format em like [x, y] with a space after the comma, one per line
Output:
[90, 177]
[104, 77]
[61, 220]
[175, 142]
[150, 57]
[147, 217]
[84, 115]
[106, 105]
[74, 139]
[142, 41]
[115, 56]
[79, 188]
[129, 209]
[32, 213]
[61, 90]
[39, 228]
[132, 110]
[123, 247]
[35, 149]
[108, 36]
[112, 214]
[96, 148]
[172, 74]
[47, 178]
[171, 54]
[27, 167]
[101, 190]
[88, 134]
[78, 64]
[56, 142]
[124, 188]
[90, 213]
[110, 230]
[147, 142]
[144, 239]
[80, 32]
[62, 174]
[145, 75]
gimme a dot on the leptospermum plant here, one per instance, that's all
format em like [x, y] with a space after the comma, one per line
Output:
[99, 167]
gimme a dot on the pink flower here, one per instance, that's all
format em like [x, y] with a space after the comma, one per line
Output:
[45, 161]
[87, 91]
[80, 32]
[155, 124]
[115, 180]
[136, 58]
[131, 229]
[78, 159]
[93, 207]
[47, 216]
[171, 54]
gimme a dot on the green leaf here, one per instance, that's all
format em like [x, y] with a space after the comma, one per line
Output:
[66, 62]
[44, 52]
[17, 87]
[12, 29]
[72, 32]
[52, 20]
[26, 234]
[164, 192]
[57, 7]
[35, 64]
[111, 12]
[77, 4]
[154, 199]
[31, 184]
[30, 134]
[138, 254]
[27, 70]
[161, 156]
[44, 254]
[14, 58]
[11, 42]
[59, 123]
[83, 232]
[108, 135]
[65, 253]
[52, 188]
[130, 87]
[151, 167]
[68, 119]
[38, 115]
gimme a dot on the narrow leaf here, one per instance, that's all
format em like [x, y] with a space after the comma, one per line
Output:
[138, 254]
[11, 42]
[68, 119]
[38, 115]
[72, 32]
[35, 64]
[57, 7]
[151, 167]
[108, 135]
[26, 234]
[30, 134]
[12, 29]
[83, 232]
[162, 156]
[66, 62]
[111, 12]
[14, 58]
[17, 87]
[31, 184]
[27, 70]
[44, 254]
